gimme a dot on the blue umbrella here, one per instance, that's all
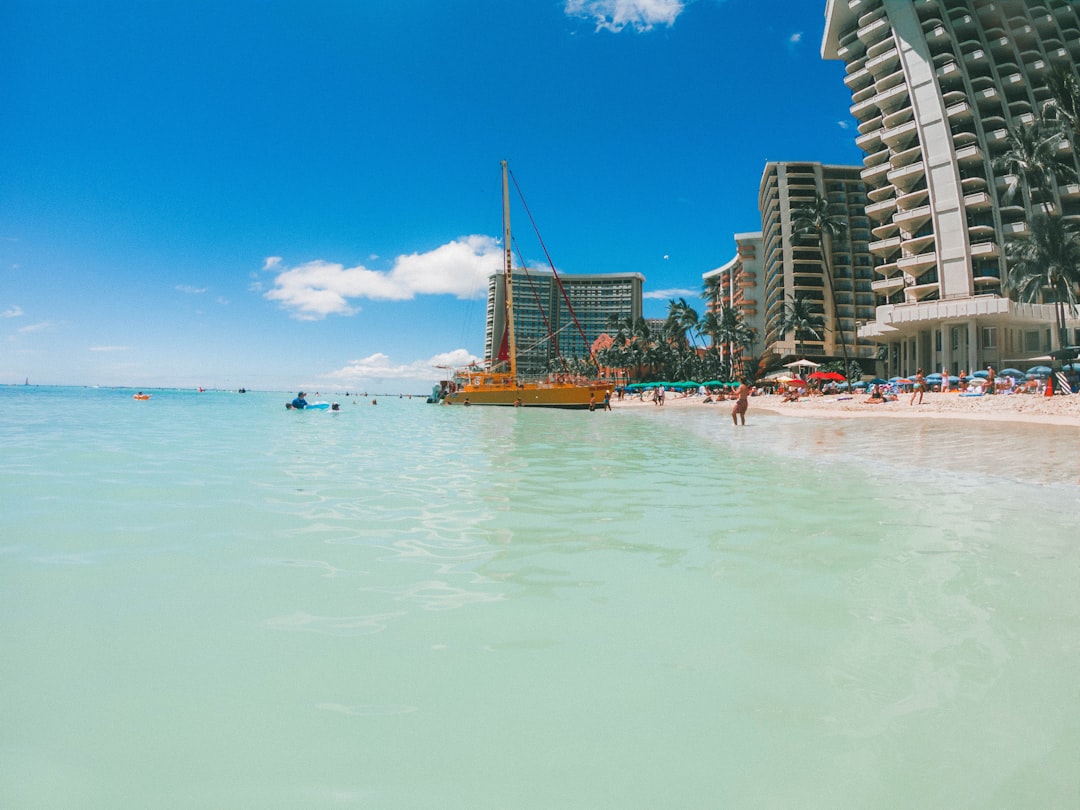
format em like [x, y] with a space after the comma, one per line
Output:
[1039, 371]
[1015, 373]
[879, 381]
[980, 373]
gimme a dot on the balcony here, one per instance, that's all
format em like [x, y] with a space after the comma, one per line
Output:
[960, 111]
[885, 247]
[884, 64]
[916, 265]
[906, 202]
[878, 194]
[900, 137]
[969, 154]
[885, 286]
[985, 250]
[911, 221]
[870, 142]
[872, 175]
[885, 230]
[906, 177]
[917, 244]
[892, 98]
[906, 158]
[858, 79]
[880, 210]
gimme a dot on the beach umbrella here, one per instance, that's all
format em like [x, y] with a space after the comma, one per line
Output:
[1015, 373]
[826, 375]
[802, 364]
[860, 384]
[935, 377]
[878, 381]
[980, 373]
[1039, 371]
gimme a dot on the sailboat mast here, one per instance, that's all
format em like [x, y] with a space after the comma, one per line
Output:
[508, 275]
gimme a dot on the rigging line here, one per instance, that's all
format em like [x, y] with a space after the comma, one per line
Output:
[551, 264]
[543, 312]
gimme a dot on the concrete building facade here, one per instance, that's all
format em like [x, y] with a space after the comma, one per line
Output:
[545, 314]
[793, 267]
[739, 284]
[935, 86]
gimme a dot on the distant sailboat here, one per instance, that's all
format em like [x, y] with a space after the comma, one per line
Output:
[498, 383]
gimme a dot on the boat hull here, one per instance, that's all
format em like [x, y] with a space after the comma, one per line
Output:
[531, 395]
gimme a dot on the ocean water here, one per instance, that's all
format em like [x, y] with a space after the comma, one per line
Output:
[208, 601]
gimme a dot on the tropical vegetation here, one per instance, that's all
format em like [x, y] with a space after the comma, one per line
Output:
[684, 347]
[1044, 263]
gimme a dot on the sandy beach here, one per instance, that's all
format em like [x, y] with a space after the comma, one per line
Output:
[1028, 408]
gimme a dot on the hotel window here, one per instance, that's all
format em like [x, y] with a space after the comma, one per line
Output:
[955, 334]
[1031, 341]
[989, 337]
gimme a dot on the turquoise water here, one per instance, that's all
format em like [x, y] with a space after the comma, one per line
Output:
[208, 601]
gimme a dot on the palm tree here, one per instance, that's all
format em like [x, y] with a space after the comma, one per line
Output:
[798, 317]
[815, 219]
[732, 331]
[1047, 260]
[1063, 106]
[1033, 160]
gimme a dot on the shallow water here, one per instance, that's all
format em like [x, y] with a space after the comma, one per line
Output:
[208, 601]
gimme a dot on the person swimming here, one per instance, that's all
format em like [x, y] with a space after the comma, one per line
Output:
[299, 402]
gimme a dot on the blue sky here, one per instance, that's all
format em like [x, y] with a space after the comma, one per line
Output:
[283, 194]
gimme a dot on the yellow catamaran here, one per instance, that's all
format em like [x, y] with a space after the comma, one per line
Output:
[498, 383]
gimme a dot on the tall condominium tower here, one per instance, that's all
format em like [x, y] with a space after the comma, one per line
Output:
[794, 267]
[549, 320]
[738, 285]
[936, 85]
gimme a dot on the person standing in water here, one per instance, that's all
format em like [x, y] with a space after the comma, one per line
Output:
[742, 402]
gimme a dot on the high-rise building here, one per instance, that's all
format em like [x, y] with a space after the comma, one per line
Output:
[936, 85]
[738, 284]
[794, 265]
[549, 318]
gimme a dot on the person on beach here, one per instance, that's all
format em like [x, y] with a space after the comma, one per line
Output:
[963, 381]
[989, 379]
[944, 380]
[917, 389]
[742, 402]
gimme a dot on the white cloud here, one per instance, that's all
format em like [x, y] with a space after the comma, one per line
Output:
[12, 312]
[187, 288]
[843, 125]
[668, 294]
[795, 38]
[109, 348]
[378, 367]
[319, 288]
[615, 15]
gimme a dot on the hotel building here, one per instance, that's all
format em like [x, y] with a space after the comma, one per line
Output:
[935, 85]
[737, 285]
[545, 315]
[793, 266]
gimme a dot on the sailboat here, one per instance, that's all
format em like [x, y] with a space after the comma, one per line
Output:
[498, 383]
